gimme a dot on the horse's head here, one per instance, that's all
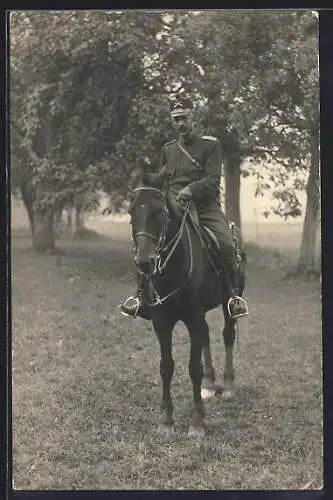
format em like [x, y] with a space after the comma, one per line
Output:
[149, 219]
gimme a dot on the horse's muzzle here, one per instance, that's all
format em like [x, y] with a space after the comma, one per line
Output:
[146, 266]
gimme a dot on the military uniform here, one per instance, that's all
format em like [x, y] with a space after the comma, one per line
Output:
[197, 163]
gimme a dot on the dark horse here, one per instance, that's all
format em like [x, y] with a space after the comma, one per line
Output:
[181, 284]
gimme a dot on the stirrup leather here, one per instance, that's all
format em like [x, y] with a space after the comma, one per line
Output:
[136, 305]
[242, 302]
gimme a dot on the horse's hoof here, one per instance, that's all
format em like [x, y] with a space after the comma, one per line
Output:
[218, 390]
[228, 394]
[207, 393]
[197, 432]
[207, 384]
[165, 429]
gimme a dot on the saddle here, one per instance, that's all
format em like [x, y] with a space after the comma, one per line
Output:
[211, 244]
[207, 238]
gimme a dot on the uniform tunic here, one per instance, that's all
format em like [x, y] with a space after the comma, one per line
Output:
[203, 177]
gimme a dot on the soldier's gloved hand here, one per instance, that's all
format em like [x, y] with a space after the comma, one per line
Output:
[184, 194]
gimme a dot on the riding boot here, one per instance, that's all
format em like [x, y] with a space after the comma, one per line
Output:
[237, 306]
[135, 305]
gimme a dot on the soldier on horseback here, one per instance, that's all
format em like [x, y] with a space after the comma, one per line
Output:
[194, 165]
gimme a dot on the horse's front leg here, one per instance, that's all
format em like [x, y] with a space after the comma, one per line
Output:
[195, 326]
[163, 329]
[229, 335]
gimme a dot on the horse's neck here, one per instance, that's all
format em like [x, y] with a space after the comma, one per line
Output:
[175, 242]
[189, 240]
[180, 234]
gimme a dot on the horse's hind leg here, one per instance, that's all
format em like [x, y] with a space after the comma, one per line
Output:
[208, 381]
[163, 330]
[229, 335]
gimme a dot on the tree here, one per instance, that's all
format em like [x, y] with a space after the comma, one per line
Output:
[289, 95]
[259, 74]
[65, 119]
[253, 76]
[213, 62]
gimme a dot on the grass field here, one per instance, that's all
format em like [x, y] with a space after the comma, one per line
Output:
[86, 385]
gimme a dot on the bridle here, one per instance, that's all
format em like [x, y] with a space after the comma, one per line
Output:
[165, 251]
[162, 237]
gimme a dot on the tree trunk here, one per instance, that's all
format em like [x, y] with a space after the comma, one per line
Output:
[307, 263]
[44, 236]
[79, 219]
[28, 201]
[57, 220]
[41, 220]
[41, 223]
[69, 218]
[232, 180]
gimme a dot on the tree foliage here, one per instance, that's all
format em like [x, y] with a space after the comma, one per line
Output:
[90, 96]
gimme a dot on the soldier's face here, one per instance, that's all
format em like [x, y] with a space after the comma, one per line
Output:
[183, 124]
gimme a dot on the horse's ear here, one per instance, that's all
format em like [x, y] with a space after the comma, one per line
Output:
[174, 208]
[136, 177]
[157, 179]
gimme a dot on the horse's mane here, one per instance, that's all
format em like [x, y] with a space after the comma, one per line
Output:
[173, 207]
[143, 178]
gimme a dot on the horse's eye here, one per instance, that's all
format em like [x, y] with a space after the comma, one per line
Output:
[132, 220]
[130, 208]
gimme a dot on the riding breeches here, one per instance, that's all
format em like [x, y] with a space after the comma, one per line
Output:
[217, 222]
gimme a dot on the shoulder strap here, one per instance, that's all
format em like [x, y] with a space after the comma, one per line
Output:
[209, 137]
[193, 160]
[170, 142]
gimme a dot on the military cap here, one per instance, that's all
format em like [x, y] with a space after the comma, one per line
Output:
[181, 106]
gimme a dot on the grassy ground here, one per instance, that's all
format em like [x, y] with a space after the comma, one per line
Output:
[86, 385]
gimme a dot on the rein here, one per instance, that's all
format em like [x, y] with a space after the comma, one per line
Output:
[175, 240]
[160, 300]
[173, 243]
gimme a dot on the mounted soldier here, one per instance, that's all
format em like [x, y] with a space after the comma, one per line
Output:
[194, 166]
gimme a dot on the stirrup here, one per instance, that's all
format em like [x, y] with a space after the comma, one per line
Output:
[241, 302]
[136, 307]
